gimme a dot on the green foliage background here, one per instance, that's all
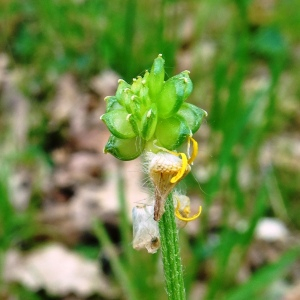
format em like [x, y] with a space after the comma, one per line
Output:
[45, 39]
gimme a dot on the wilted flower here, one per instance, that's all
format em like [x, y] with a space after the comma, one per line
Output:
[166, 169]
[151, 116]
[163, 168]
[145, 229]
[183, 210]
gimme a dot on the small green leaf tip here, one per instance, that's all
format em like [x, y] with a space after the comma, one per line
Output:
[150, 109]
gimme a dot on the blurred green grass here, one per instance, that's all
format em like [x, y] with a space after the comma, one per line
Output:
[245, 40]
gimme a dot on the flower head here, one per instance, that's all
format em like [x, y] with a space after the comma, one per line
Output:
[151, 115]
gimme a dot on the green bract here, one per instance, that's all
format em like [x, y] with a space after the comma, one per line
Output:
[148, 110]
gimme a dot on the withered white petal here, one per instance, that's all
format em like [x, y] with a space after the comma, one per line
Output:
[145, 229]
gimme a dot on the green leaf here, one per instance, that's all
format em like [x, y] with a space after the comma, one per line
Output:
[269, 42]
[266, 275]
[124, 149]
[193, 115]
[156, 77]
[118, 123]
[149, 122]
[172, 132]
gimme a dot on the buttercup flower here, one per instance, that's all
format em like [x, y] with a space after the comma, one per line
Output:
[151, 116]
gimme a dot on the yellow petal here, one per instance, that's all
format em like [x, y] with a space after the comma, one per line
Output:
[195, 150]
[180, 217]
[182, 170]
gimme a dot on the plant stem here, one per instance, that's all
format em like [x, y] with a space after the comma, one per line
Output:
[170, 253]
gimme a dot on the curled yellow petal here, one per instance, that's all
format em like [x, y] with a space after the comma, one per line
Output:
[195, 149]
[182, 170]
[180, 217]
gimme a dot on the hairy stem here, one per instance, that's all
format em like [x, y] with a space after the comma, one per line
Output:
[170, 253]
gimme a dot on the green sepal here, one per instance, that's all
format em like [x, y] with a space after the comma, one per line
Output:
[124, 149]
[193, 115]
[172, 132]
[112, 103]
[171, 97]
[149, 122]
[118, 124]
[121, 87]
[156, 77]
